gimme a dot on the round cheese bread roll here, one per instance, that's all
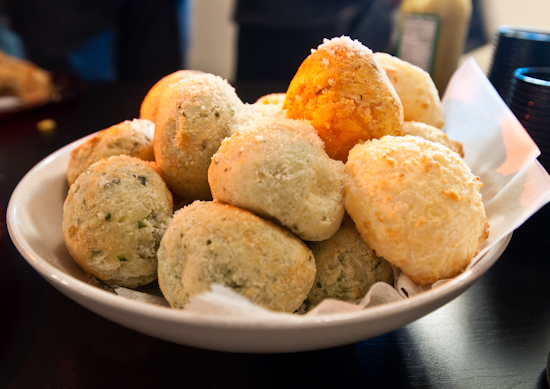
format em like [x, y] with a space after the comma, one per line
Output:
[415, 88]
[283, 174]
[130, 137]
[114, 218]
[346, 267]
[433, 134]
[149, 105]
[193, 117]
[272, 98]
[342, 89]
[254, 115]
[212, 243]
[417, 204]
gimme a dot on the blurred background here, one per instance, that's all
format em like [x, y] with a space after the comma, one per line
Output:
[213, 43]
[130, 39]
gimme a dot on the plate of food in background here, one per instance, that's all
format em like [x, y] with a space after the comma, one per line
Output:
[24, 86]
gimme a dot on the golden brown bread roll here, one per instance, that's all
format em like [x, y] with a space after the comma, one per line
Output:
[415, 88]
[417, 204]
[433, 134]
[342, 89]
[272, 98]
[149, 105]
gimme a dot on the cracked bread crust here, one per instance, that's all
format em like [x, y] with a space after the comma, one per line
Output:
[208, 242]
[417, 204]
[283, 174]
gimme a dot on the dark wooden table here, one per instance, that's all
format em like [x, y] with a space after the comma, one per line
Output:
[495, 335]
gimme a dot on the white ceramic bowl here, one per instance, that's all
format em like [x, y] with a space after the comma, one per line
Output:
[34, 220]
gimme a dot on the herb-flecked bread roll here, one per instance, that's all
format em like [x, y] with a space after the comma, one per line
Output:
[194, 115]
[342, 89]
[130, 137]
[213, 243]
[149, 105]
[346, 266]
[114, 217]
[416, 89]
[283, 174]
[417, 204]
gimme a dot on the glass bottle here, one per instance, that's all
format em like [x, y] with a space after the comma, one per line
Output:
[431, 34]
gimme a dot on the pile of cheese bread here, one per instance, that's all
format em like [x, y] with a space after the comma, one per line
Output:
[315, 193]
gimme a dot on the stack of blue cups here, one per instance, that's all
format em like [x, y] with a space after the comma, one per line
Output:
[529, 100]
[517, 47]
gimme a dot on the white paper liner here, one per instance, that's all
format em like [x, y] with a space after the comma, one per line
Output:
[497, 149]
[140, 296]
